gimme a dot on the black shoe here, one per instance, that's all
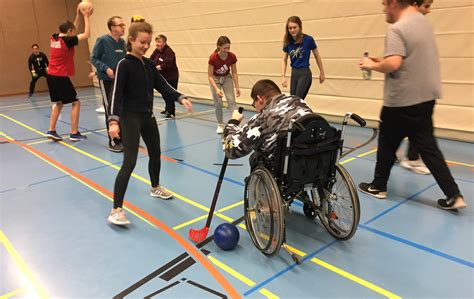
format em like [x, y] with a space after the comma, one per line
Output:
[169, 116]
[371, 190]
[164, 112]
[452, 203]
[116, 148]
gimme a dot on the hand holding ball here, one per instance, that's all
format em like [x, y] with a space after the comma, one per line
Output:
[85, 7]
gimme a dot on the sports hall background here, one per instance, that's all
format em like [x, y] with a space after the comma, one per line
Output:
[343, 30]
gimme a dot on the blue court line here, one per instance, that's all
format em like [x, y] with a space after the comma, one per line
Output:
[7, 190]
[276, 275]
[397, 165]
[419, 246]
[212, 173]
[49, 180]
[398, 204]
[192, 144]
[83, 129]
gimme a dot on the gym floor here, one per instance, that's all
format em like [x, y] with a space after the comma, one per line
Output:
[55, 240]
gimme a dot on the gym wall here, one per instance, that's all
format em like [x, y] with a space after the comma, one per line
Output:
[26, 22]
[343, 30]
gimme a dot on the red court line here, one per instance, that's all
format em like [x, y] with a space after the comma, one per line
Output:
[185, 244]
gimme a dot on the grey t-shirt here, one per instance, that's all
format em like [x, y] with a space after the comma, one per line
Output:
[418, 78]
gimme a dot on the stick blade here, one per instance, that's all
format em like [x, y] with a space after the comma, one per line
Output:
[198, 235]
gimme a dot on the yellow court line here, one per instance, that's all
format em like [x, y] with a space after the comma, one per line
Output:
[347, 275]
[32, 281]
[49, 140]
[143, 179]
[460, 163]
[12, 293]
[240, 277]
[367, 153]
[82, 182]
[197, 219]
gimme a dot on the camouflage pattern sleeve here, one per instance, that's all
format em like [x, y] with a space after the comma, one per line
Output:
[240, 141]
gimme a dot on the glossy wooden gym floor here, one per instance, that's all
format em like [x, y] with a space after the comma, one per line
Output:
[55, 240]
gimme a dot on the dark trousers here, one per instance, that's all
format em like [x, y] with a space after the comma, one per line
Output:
[414, 122]
[34, 80]
[300, 83]
[170, 104]
[133, 125]
[106, 91]
[412, 151]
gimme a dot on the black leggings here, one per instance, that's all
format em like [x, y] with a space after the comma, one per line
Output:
[133, 125]
[301, 80]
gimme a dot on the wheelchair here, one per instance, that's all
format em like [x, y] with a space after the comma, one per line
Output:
[304, 167]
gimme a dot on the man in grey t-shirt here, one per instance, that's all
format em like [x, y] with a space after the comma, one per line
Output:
[412, 83]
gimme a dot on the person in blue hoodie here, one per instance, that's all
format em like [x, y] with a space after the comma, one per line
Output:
[108, 50]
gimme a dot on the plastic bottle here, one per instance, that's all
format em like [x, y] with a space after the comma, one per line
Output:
[367, 75]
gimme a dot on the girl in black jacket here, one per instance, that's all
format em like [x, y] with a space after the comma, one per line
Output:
[132, 107]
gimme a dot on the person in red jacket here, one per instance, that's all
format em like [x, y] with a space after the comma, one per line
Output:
[165, 60]
[61, 67]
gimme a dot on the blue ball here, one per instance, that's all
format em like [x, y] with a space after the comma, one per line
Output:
[226, 236]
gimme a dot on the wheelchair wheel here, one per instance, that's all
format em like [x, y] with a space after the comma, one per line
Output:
[264, 215]
[340, 208]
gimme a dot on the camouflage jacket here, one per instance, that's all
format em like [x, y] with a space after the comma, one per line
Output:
[261, 131]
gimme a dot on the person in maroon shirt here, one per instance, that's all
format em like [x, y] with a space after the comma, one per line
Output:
[61, 67]
[165, 60]
[221, 63]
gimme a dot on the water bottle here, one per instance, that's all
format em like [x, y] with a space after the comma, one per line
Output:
[367, 75]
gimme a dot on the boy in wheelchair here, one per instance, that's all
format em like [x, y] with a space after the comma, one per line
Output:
[274, 113]
[266, 133]
[295, 157]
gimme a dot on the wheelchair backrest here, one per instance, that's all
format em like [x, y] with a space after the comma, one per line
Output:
[312, 153]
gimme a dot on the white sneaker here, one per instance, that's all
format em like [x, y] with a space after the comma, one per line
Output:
[117, 217]
[160, 192]
[416, 166]
[220, 128]
[100, 110]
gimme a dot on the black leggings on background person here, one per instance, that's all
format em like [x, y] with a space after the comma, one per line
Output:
[34, 80]
[300, 83]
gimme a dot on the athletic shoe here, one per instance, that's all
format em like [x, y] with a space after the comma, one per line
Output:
[117, 217]
[417, 166]
[452, 203]
[220, 128]
[116, 148]
[53, 135]
[370, 189]
[100, 109]
[160, 192]
[77, 137]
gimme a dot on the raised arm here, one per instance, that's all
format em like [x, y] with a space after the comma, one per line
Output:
[87, 30]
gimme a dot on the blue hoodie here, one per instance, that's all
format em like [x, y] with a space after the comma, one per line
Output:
[106, 54]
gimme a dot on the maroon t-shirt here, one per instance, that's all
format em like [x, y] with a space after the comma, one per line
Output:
[222, 67]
